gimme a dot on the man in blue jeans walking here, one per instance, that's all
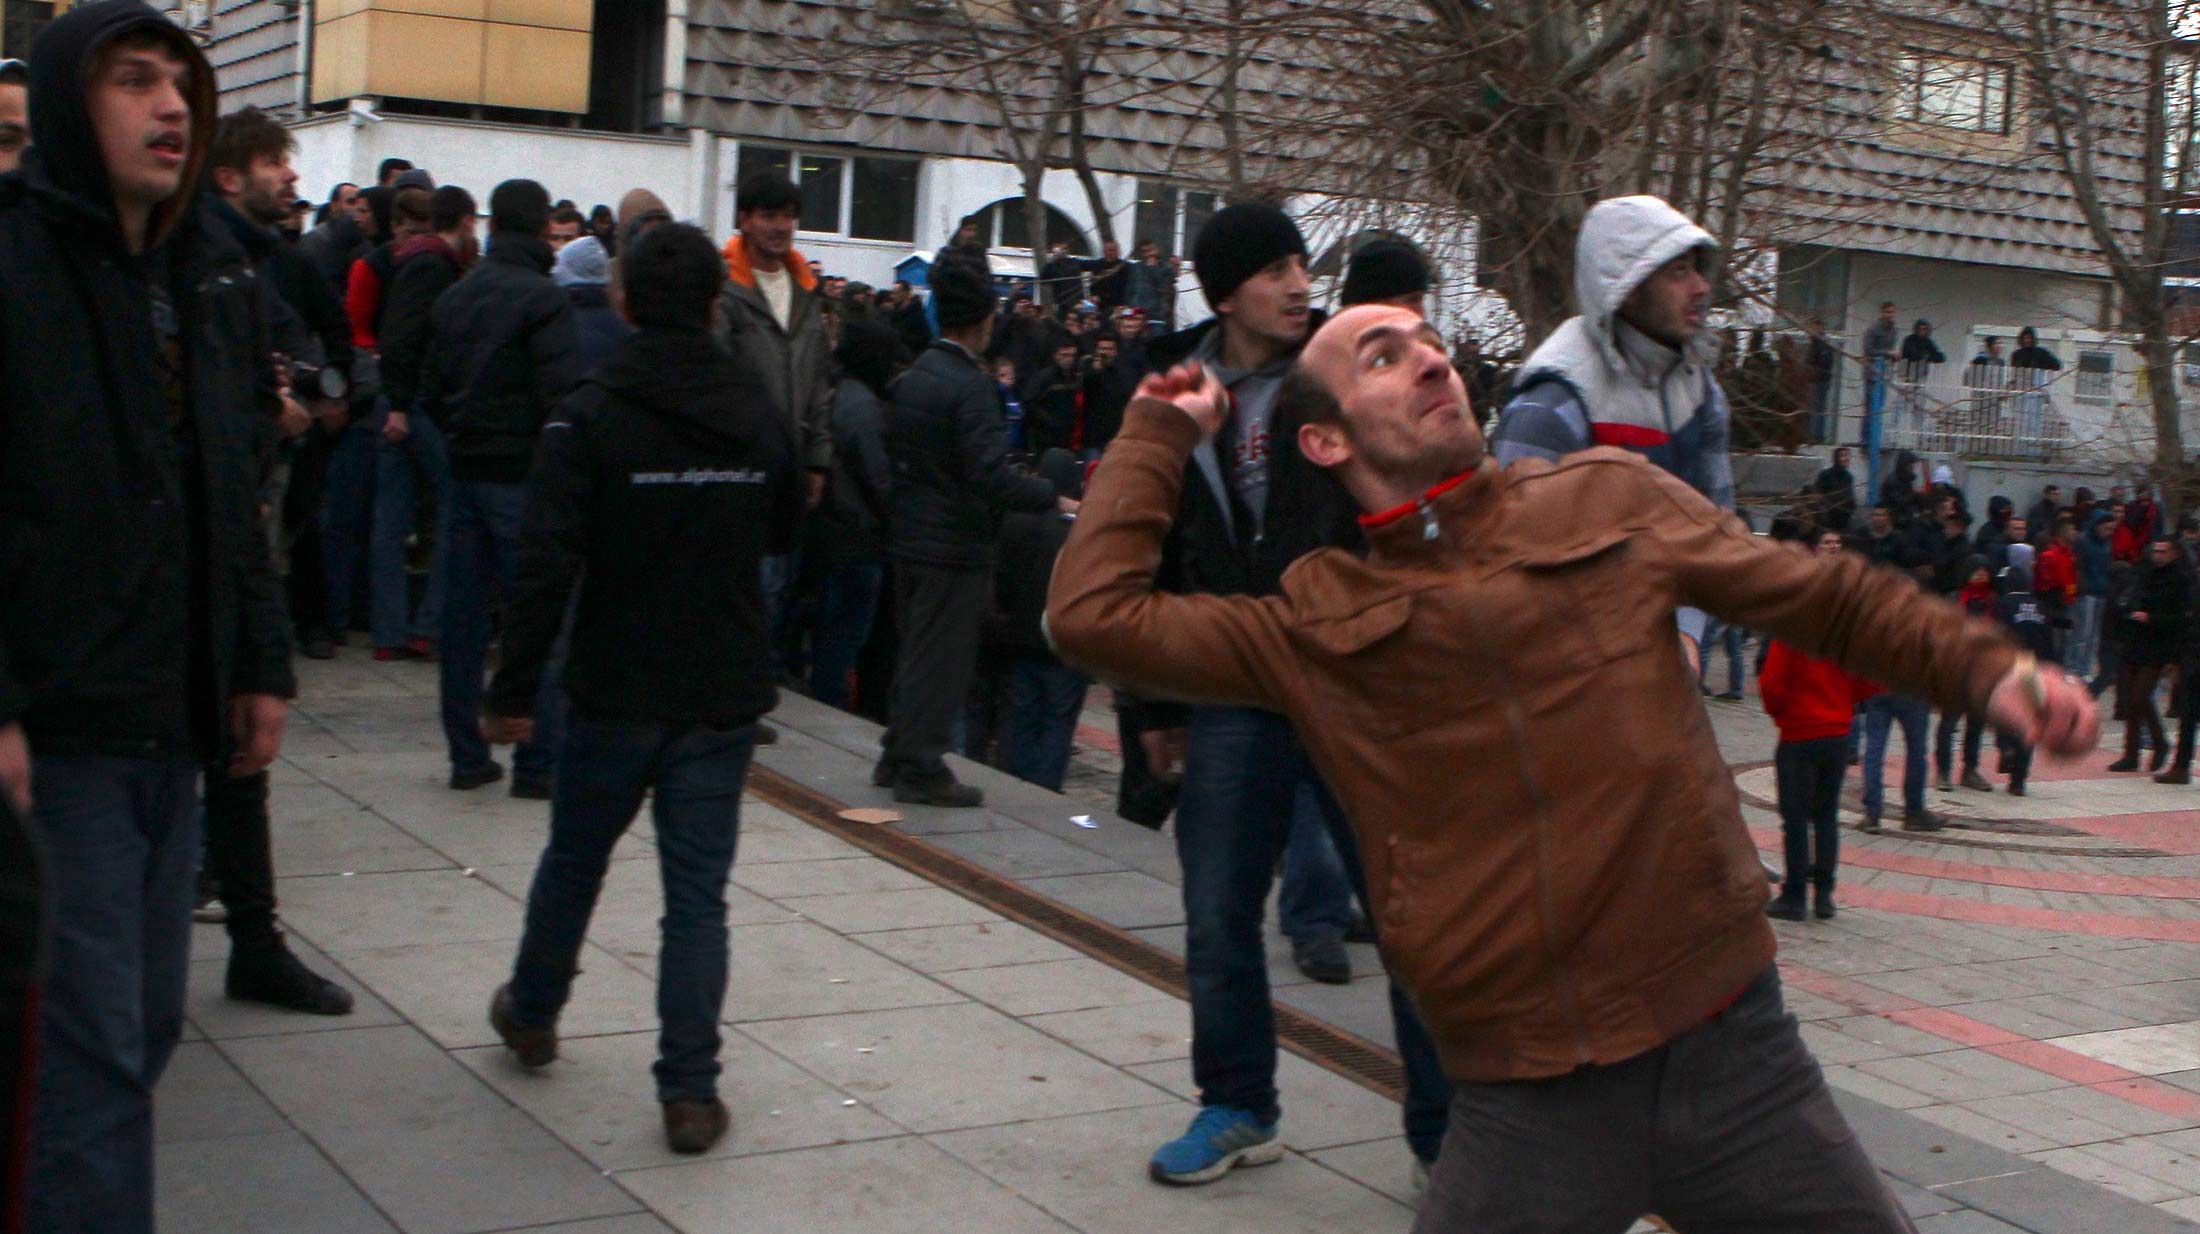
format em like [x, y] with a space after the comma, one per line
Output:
[663, 484]
[504, 353]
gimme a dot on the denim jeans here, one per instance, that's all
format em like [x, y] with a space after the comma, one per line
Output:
[846, 610]
[478, 561]
[694, 777]
[1044, 697]
[1315, 902]
[400, 468]
[1243, 769]
[1718, 634]
[2085, 635]
[1944, 742]
[121, 840]
[347, 507]
[1809, 775]
[779, 576]
[1882, 711]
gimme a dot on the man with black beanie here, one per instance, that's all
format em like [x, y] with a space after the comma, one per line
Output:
[143, 628]
[1248, 516]
[948, 440]
[1387, 271]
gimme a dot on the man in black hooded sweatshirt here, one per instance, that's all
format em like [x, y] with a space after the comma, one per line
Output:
[663, 484]
[143, 629]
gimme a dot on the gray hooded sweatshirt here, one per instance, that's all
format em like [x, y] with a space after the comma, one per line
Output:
[1597, 381]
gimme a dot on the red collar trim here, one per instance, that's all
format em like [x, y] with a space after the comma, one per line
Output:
[1392, 515]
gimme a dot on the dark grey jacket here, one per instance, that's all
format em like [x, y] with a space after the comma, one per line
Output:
[796, 362]
[953, 480]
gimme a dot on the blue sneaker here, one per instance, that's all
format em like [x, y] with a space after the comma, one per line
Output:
[1221, 1137]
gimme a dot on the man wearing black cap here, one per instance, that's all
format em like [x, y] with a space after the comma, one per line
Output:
[1251, 513]
[143, 628]
[1387, 271]
[948, 439]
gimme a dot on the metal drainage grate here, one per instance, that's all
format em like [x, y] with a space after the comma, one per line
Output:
[1348, 1054]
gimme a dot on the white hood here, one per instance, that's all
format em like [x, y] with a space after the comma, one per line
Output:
[1623, 242]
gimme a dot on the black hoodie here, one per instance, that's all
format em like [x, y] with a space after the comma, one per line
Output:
[133, 389]
[662, 483]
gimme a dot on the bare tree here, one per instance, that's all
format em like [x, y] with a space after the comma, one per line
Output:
[1029, 64]
[2091, 66]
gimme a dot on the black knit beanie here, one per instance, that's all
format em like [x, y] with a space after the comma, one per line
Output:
[962, 292]
[1239, 242]
[1384, 270]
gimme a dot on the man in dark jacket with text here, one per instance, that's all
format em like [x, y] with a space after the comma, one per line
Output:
[952, 480]
[143, 628]
[504, 354]
[662, 484]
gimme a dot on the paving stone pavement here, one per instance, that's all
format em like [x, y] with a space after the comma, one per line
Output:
[901, 1058]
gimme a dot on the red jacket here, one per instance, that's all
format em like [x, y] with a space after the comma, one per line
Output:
[2057, 574]
[1807, 697]
[2126, 543]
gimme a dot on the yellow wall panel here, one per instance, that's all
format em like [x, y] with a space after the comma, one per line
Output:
[418, 57]
[329, 10]
[340, 58]
[527, 66]
[560, 14]
[472, 10]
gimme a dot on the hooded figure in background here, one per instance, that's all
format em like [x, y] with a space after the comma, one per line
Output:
[1634, 369]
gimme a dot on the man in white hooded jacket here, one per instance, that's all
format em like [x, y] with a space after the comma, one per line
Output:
[1634, 369]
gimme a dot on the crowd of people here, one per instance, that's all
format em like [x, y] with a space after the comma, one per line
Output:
[665, 477]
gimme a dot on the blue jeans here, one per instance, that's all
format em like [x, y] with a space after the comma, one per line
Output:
[478, 561]
[121, 840]
[347, 507]
[1875, 406]
[779, 575]
[400, 467]
[1044, 697]
[848, 606]
[2085, 636]
[1718, 634]
[1315, 902]
[1242, 773]
[695, 777]
[1882, 711]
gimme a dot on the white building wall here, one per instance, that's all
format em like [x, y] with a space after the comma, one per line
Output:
[590, 168]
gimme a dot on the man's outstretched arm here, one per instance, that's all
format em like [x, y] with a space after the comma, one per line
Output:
[1102, 611]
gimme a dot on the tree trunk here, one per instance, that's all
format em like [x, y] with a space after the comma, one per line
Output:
[1035, 211]
[2171, 466]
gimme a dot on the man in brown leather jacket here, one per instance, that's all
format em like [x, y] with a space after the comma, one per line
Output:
[1579, 918]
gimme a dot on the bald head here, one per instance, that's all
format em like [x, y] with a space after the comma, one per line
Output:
[1377, 401]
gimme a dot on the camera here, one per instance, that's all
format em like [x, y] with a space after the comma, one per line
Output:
[319, 381]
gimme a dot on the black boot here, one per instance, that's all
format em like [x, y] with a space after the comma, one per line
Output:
[269, 973]
[1787, 906]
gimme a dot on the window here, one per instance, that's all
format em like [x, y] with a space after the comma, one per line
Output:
[1155, 219]
[1005, 219]
[758, 160]
[1198, 208]
[23, 20]
[1953, 92]
[867, 198]
[820, 180]
[2096, 377]
[883, 200]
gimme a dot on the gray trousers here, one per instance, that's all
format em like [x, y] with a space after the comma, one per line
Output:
[1726, 1129]
[940, 612]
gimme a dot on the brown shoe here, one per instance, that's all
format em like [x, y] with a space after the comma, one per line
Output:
[693, 1126]
[532, 1046]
